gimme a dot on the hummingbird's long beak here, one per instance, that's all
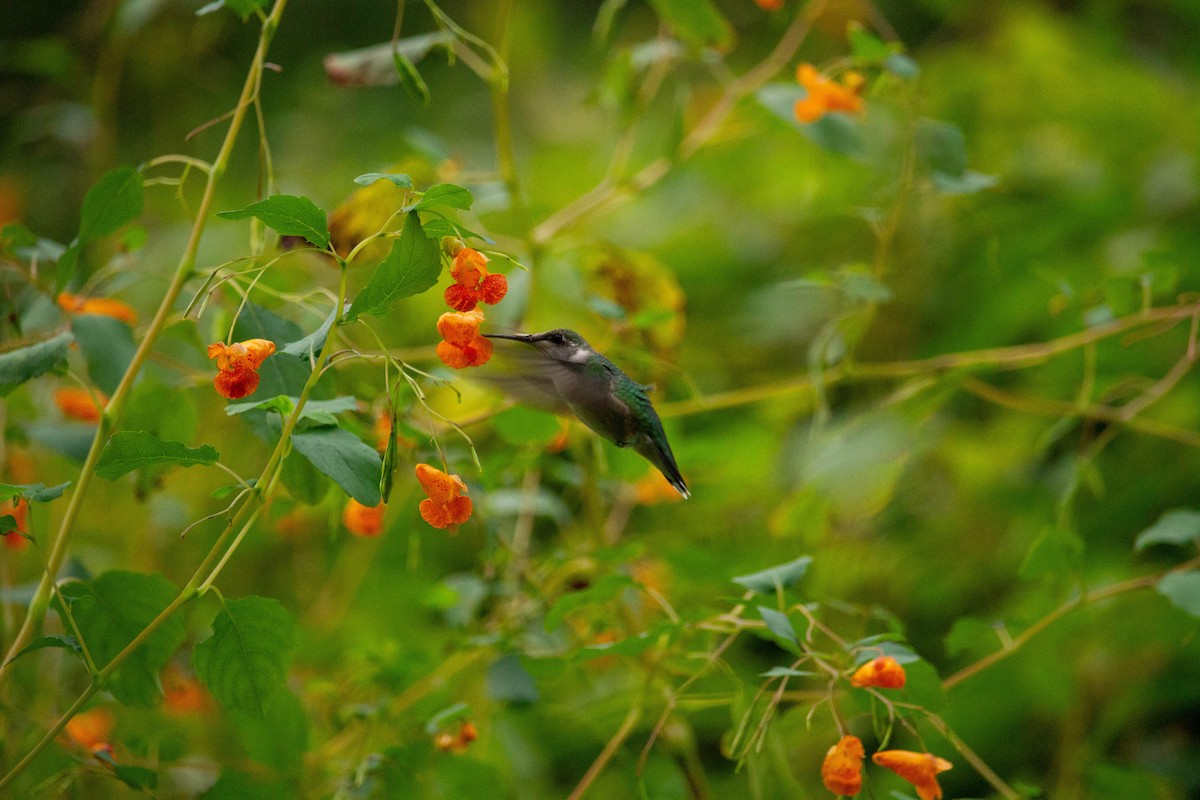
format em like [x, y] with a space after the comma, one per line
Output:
[516, 337]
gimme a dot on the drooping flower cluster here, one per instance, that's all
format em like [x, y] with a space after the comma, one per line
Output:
[841, 772]
[462, 345]
[238, 365]
[446, 505]
[825, 94]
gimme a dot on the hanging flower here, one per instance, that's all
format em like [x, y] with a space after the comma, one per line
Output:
[919, 769]
[472, 283]
[238, 364]
[842, 769]
[446, 506]
[884, 672]
[18, 509]
[366, 521]
[91, 729]
[463, 346]
[103, 306]
[183, 694]
[77, 404]
[456, 742]
[825, 94]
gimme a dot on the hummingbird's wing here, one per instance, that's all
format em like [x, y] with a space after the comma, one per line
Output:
[528, 376]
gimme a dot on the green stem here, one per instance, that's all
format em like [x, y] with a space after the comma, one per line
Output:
[116, 404]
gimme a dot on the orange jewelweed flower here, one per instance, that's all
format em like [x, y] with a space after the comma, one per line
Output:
[78, 404]
[445, 506]
[919, 769]
[456, 742]
[183, 694]
[884, 672]
[103, 306]
[472, 283]
[826, 94]
[238, 364]
[363, 520]
[91, 729]
[18, 509]
[842, 769]
[463, 345]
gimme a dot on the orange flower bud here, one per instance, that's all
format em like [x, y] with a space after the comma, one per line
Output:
[238, 364]
[102, 306]
[919, 769]
[884, 672]
[445, 506]
[18, 509]
[91, 729]
[842, 769]
[78, 404]
[363, 520]
[825, 95]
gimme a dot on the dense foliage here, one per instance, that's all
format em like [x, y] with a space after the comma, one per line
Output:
[915, 284]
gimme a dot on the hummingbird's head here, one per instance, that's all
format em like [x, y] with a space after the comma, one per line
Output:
[559, 344]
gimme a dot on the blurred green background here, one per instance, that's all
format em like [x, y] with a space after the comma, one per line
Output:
[755, 285]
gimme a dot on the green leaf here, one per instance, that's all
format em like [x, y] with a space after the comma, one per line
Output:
[601, 591]
[320, 411]
[445, 195]
[410, 78]
[780, 627]
[923, 686]
[303, 481]
[34, 492]
[108, 346]
[64, 268]
[971, 635]
[246, 659]
[18, 366]
[401, 179]
[280, 738]
[114, 200]
[114, 608]
[695, 21]
[411, 267]
[522, 425]
[288, 215]
[341, 455]
[786, 672]
[64, 641]
[507, 681]
[1179, 526]
[310, 346]
[866, 45]
[1182, 589]
[769, 581]
[942, 147]
[130, 450]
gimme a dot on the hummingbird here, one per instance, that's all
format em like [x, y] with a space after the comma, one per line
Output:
[565, 374]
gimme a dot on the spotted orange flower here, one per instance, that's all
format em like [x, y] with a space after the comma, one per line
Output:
[363, 520]
[472, 283]
[842, 769]
[457, 742]
[463, 346]
[825, 94]
[919, 769]
[446, 506]
[183, 694]
[91, 729]
[77, 404]
[18, 509]
[884, 672]
[238, 365]
[103, 306]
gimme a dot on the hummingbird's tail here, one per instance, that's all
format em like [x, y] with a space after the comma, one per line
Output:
[662, 457]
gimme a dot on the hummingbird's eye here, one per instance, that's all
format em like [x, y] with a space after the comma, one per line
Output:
[558, 338]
